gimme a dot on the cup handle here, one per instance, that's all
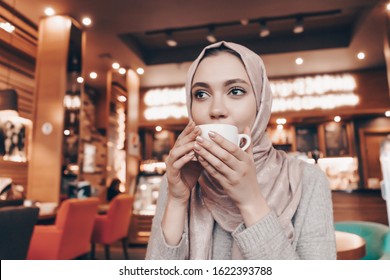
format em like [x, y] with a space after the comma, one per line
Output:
[247, 141]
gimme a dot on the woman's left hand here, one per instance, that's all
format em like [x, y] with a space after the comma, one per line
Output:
[234, 169]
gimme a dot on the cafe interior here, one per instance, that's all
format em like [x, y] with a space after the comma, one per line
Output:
[92, 99]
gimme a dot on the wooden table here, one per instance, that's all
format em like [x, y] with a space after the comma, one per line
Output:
[350, 246]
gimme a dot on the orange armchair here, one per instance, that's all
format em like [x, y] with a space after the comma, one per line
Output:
[69, 237]
[114, 225]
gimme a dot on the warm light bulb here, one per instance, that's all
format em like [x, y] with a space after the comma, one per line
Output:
[93, 75]
[80, 80]
[49, 11]
[140, 70]
[86, 21]
[158, 128]
[122, 98]
[280, 127]
[388, 7]
[66, 132]
[116, 65]
[337, 119]
[299, 61]
[281, 121]
[387, 114]
[122, 71]
[361, 55]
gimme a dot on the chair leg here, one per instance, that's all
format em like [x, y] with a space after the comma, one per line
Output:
[92, 251]
[107, 251]
[124, 245]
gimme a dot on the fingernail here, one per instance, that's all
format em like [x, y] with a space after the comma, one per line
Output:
[199, 139]
[211, 134]
[196, 129]
[196, 147]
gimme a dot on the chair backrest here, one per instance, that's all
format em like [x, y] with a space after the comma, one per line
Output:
[373, 233]
[16, 228]
[76, 218]
[119, 215]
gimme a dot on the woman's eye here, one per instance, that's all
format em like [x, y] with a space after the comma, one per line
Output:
[200, 94]
[237, 91]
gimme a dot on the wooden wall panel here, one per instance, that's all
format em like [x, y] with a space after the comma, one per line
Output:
[360, 206]
[15, 170]
[17, 65]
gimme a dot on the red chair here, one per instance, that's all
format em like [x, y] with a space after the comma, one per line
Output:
[70, 236]
[114, 225]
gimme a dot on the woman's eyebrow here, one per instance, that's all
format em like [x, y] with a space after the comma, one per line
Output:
[235, 81]
[200, 84]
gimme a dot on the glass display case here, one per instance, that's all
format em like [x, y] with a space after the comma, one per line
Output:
[145, 200]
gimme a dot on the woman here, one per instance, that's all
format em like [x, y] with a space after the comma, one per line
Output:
[234, 204]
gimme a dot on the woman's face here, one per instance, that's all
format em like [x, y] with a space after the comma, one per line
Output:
[222, 93]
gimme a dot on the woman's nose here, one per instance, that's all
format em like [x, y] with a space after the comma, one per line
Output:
[218, 110]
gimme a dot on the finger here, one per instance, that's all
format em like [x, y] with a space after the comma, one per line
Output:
[188, 137]
[222, 153]
[212, 159]
[232, 148]
[212, 171]
[178, 164]
[187, 130]
[179, 151]
[173, 173]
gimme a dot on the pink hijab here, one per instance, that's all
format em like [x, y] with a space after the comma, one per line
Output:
[278, 175]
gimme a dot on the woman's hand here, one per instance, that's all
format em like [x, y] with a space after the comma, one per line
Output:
[182, 171]
[235, 171]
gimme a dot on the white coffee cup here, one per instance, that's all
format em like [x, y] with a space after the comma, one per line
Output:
[228, 131]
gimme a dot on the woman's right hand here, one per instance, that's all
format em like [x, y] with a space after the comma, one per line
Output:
[182, 171]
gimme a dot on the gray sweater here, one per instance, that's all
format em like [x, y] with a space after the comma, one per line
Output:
[313, 225]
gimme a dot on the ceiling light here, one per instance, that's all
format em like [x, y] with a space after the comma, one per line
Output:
[7, 27]
[86, 21]
[67, 132]
[361, 55]
[49, 11]
[158, 128]
[264, 31]
[244, 22]
[80, 80]
[337, 119]
[140, 70]
[298, 26]
[299, 61]
[170, 40]
[210, 36]
[387, 114]
[116, 65]
[93, 75]
[122, 71]
[122, 98]
[281, 121]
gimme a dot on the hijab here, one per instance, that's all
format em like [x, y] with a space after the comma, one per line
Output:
[278, 175]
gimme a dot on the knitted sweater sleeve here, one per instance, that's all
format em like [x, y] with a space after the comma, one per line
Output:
[158, 249]
[313, 224]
